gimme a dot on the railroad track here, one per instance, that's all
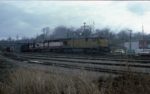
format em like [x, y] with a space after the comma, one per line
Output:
[84, 61]
[93, 58]
[75, 63]
[110, 56]
[84, 68]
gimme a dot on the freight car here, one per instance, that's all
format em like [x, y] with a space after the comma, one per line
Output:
[85, 45]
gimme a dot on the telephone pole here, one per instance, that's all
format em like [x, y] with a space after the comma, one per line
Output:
[17, 37]
[142, 37]
[84, 26]
[93, 26]
[84, 29]
[130, 40]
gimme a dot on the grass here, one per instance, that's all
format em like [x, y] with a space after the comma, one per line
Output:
[126, 84]
[24, 81]
[32, 81]
[37, 82]
[5, 68]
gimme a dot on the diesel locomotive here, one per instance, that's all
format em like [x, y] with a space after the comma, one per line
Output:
[84, 45]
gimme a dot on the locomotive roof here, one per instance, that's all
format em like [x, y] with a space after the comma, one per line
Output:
[63, 39]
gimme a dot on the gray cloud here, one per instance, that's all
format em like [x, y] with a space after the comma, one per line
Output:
[27, 18]
[15, 21]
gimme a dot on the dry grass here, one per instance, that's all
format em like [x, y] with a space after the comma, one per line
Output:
[37, 82]
[126, 84]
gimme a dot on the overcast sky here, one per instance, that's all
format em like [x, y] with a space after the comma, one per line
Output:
[27, 18]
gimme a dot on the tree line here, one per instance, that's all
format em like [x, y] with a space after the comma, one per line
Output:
[63, 32]
[114, 38]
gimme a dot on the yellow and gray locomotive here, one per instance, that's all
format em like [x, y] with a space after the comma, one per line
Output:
[85, 45]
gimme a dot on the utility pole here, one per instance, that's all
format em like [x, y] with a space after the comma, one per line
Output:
[68, 33]
[17, 37]
[93, 26]
[130, 48]
[84, 26]
[84, 29]
[142, 37]
[130, 45]
[44, 31]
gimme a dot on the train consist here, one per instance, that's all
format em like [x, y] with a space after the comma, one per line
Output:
[85, 45]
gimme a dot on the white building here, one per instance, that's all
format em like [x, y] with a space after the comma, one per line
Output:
[136, 48]
[134, 45]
